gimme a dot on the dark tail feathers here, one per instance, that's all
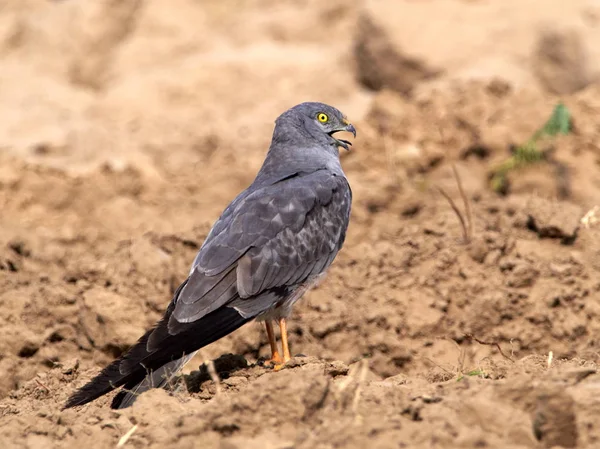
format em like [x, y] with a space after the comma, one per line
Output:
[139, 370]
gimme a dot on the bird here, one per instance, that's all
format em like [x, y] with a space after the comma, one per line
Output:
[268, 247]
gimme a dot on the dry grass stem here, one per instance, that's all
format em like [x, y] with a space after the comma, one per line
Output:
[43, 386]
[457, 212]
[362, 376]
[591, 218]
[466, 202]
[466, 225]
[486, 343]
[123, 440]
[210, 366]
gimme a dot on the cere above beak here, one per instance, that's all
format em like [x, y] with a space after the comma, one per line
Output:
[341, 142]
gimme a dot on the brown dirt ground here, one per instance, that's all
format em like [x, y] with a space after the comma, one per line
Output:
[120, 153]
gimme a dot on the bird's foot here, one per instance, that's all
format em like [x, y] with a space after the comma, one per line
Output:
[280, 366]
[274, 361]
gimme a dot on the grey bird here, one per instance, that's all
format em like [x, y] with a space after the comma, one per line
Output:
[272, 242]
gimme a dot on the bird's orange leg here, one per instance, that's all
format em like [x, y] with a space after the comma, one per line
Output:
[284, 343]
[275, 356]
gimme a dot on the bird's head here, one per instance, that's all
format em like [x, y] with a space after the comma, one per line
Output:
[320, 121]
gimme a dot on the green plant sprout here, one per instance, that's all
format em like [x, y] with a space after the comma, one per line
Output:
[527, 154]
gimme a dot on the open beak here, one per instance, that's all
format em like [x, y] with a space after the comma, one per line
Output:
[341, 142]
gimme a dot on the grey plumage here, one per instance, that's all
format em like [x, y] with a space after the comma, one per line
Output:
[269, 245]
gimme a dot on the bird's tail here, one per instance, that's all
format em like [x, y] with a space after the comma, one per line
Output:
[147, 366]
[159, 378]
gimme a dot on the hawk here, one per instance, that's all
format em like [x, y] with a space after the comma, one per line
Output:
[272, 242]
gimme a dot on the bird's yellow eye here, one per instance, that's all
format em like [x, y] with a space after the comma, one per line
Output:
[322, 118]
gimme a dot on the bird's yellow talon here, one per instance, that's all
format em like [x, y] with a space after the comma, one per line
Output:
[274, 361]
[277, 361]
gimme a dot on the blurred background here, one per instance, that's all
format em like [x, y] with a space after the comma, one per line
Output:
[126, 126]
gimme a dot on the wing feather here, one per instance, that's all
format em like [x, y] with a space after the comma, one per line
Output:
[290, 232]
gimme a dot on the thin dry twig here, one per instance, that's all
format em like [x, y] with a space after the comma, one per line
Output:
[176, 385]
[43, 386]
[466, 203]
[434, 363]
[486, 343]
[550, 358]
[457, 212]
[345, 382]
[210, 366]
[462, 354]
[364, 369]
[512, 347]
[467, 225]
[591, 218]
[347, 392]
[123, 440]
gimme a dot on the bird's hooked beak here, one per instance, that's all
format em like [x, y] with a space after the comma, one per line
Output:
[348, 127]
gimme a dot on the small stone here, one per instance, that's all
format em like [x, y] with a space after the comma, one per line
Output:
[554, 219]
[337, 368]
[522, 275]
[478, 251]
[560, 269]
[70, 366]
[493, 257]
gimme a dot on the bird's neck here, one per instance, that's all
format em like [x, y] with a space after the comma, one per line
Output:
[287, 156]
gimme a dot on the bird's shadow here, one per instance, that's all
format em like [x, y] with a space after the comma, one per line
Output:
[224, 366]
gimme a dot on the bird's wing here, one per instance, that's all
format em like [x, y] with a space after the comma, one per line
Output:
[279, 236]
